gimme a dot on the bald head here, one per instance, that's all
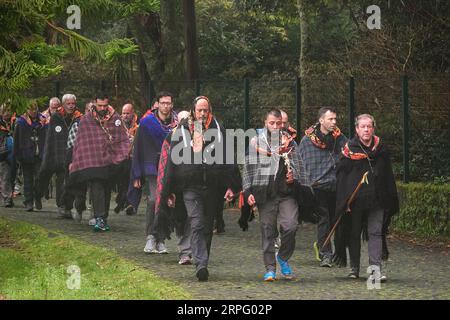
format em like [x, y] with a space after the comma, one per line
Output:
[284, 119]
[127, 113]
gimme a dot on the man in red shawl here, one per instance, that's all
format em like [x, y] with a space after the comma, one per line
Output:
[101, 147]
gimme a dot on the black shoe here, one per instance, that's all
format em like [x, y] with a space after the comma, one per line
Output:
[29, 207]
[354, 273]
[38, 204]
[9, 203]
[326, 262]
[202, 274]
[118, 208]
[130, 211]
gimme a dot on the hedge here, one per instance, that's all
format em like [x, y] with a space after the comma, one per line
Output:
[424, 210]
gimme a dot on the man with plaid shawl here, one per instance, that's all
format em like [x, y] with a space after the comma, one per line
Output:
[271, 177]
[100, 148]
[319, 150]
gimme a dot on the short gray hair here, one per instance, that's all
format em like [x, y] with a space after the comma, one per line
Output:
[365, 115]
[68, 96]
[54, 99]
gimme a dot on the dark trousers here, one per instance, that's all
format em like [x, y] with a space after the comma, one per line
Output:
[374, 217]
[101, 197]
[123, 182]
[326, 209]
[74, 195]
[44, 181]
[30, 181]
[200, 205]
[219, 223]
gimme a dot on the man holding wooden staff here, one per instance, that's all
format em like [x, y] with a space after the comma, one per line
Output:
[366, 194]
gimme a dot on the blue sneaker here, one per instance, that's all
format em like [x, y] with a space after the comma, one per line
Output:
[270, 276]
[286, 270]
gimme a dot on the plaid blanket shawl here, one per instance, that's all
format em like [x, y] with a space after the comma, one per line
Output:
[260, 168]
[320, 161]
[97, 146]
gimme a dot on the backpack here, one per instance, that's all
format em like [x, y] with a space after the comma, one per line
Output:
[3, 147]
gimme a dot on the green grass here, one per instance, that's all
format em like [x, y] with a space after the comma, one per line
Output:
[34, 263]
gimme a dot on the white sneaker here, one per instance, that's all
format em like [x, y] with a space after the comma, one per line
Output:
[161, 248]
[92, 222]
[76, 216]
[150, 246]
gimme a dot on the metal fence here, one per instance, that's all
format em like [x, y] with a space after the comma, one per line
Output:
[413, 114]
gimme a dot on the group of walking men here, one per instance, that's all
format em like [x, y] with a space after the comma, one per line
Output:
[348, 184]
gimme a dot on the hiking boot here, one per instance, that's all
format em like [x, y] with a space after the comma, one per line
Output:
[286, 270]
[150, 246]
[185, 260]
[161, 248]
[270, 276]
[101, 225]
[38, 203]
[202, 274]
[326, 262]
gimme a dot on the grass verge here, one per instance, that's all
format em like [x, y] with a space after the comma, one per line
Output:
[38, 264]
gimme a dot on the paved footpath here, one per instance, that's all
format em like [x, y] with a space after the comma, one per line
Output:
[236, 266]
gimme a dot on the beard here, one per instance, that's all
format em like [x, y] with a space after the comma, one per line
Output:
[102, 113]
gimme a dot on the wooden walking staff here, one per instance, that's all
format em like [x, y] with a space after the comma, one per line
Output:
[347, 210]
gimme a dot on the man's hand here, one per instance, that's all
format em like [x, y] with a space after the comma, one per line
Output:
[229, 195]
[251, 200]
[171, 200]
[137, 183]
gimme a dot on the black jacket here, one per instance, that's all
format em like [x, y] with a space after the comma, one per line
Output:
[211, 175]
[350, 172]
[55, 150]
[28, 140]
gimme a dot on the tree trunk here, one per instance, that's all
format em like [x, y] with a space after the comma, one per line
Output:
[172, 39]
[146, 29]
[192, 71]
